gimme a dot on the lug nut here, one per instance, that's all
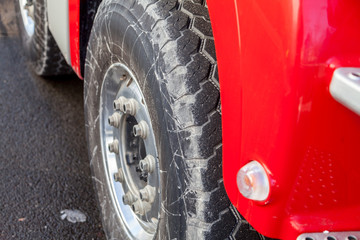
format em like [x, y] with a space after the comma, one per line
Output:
[147, 164]
[114, 146]
[141, 129]
[148, 194]
[129, 198]
[119, 176]
[141, 207]
[114, 120]
[130, 106]
[119, 103]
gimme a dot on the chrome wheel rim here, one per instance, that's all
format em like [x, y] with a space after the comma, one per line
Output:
[27, 15]
[129, 152]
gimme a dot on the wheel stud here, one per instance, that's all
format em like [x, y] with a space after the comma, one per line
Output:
[119, 176]
[141, 130]
[129, 198]
[147, 164]
[119, 103]
[130, 107]
[114, 120]
[148, 194]
[141, 207]
[114, 146]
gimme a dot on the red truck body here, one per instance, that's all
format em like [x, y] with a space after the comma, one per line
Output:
[276, 61]
[74, 35]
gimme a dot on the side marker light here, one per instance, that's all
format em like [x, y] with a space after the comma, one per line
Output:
[253, 182]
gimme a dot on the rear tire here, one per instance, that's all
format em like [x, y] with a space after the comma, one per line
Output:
[39, 45]
[169, 47]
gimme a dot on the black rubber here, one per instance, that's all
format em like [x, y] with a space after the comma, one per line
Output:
[41, 49]
[169, 46]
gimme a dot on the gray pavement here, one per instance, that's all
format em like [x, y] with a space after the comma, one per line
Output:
[43, 158]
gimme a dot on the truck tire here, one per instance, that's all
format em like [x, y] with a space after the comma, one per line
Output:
[39, 45]
[151, 67]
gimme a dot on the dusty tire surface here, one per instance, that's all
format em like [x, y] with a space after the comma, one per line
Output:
[40, 48]
[170, 48]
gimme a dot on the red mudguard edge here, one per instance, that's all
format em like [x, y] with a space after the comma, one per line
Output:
[74, 26]
[276, 60]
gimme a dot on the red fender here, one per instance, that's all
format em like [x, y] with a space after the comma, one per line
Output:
[74, 27]
[276, 60]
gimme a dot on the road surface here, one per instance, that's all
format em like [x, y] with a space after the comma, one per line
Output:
[43, 158]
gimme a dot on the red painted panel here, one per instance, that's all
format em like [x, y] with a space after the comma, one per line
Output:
[74, 26]
[276, 60]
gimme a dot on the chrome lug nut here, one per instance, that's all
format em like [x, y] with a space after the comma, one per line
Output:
[141, 129]
[130, 106]
[119, 176]
[147, 164]
[148, 194]
[114, 120]
[129, 198]
[141, 207]
[114, 146]
[119, 103]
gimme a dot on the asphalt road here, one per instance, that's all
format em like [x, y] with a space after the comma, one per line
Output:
[43, 158]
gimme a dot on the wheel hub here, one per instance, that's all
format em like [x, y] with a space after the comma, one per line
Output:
[129, 152]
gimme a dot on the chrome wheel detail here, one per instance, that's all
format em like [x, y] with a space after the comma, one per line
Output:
[129, 152]
[27, 15]
[141, 129]
[114, 146]
[130, 106]
[129, 198]
[119, 176]
[114, 120]
[147, 165]
[141, 207]
[148, 194]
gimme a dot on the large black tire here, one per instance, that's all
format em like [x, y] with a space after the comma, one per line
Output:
[40, 48]
[170, 48]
